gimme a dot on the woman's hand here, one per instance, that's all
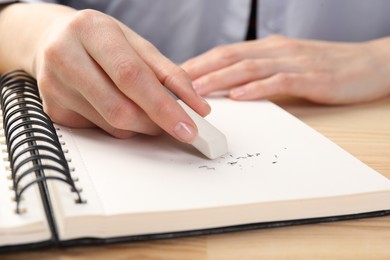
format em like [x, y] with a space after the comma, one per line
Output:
[93, 70]
[323, 72]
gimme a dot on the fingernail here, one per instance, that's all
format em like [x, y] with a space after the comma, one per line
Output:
[204, 101]
[184, 132]
[237, 92]
[196, 85]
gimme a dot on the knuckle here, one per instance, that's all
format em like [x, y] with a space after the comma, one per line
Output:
[283, 80]
[250, 66]
[226, 54]
[85, 18]
[291, 46]
[85, 22]
[120, 116]
[174, 74]
[161, 109]
[288, 44]
[127, 73]
[54, 52]
[148, 47]
[178, 72]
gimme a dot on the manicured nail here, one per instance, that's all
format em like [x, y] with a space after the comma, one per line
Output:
[196, 85]
[237, 92]
[184, 132]
[204, 101]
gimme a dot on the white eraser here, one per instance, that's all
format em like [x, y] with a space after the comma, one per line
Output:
[210, 141]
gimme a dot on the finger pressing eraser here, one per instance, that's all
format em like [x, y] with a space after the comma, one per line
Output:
[210, 141]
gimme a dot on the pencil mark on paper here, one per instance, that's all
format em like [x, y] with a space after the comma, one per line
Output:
[275, 161]
[245, 160]
[207, 167]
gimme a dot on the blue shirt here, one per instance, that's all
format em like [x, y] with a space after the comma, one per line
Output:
[185, 28]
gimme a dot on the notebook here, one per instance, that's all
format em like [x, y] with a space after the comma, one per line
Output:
[61, 186]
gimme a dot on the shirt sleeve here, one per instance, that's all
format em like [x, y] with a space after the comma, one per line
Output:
[333, 20]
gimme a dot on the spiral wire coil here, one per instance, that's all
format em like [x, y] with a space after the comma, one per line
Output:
[33, 146]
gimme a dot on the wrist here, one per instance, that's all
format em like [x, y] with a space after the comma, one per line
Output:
[22, 28]
[380, 51]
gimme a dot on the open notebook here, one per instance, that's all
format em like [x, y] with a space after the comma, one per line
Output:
[98, 189]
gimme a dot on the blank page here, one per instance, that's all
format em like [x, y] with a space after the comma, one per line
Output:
[272, 157]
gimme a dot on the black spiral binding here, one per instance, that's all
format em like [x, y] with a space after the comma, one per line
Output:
[32, 143]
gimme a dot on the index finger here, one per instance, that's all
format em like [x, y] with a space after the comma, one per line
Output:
[105, 42]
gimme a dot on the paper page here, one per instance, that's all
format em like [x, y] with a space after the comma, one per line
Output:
[30, 225]
[272, 157]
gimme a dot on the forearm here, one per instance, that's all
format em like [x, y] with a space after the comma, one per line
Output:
[22, 28]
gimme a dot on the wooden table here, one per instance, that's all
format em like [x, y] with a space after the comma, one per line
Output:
[363, 130]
